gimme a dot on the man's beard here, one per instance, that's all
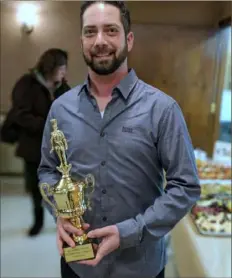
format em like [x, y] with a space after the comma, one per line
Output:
[106, 66]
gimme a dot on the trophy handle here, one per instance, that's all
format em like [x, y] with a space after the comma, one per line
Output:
[45, 189]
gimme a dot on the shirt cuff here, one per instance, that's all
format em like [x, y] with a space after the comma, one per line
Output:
[130, 233]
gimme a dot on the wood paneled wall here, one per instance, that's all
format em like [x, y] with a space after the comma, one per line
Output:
[178, 60]
[181, 62]
[59, 25]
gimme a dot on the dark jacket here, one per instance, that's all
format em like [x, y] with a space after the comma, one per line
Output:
[32, 101]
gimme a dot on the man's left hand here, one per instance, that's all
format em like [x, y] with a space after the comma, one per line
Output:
[110, 242]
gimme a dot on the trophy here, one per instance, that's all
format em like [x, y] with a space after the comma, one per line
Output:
[70, 198]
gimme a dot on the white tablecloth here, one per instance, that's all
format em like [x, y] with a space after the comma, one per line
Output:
[200, 256]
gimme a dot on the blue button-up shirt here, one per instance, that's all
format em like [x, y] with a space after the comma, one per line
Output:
[142, 133]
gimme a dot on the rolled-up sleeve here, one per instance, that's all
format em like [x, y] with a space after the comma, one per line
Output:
[176, 156]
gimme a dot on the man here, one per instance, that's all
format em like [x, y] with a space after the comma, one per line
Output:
[125, 133]
[32, 97]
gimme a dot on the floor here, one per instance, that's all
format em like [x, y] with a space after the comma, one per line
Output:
[25, 257]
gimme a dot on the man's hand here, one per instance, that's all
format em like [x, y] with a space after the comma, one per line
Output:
[64, 229]
[110, 242]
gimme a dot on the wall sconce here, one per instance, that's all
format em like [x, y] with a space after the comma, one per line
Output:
[27, 16]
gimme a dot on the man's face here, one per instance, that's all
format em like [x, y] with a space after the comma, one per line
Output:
[104, 43]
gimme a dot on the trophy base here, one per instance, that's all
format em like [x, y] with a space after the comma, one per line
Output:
[79, 253]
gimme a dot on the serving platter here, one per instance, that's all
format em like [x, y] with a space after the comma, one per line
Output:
[212, 213]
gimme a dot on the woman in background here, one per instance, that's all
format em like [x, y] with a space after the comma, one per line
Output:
[32, 97]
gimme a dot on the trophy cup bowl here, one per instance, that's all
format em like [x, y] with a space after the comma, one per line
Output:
[70, 199]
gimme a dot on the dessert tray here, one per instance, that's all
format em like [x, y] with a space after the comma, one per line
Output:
[210, 170]
[212, 213]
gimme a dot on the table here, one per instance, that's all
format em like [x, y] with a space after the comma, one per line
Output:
[197, 255]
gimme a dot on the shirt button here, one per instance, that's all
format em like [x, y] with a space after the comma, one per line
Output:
[104, 218]
[102, 134]
[103, 163]
[103, 191]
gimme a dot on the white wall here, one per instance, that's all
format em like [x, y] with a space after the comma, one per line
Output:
[225, 114]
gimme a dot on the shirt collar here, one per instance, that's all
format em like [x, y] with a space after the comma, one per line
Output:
[125, 86]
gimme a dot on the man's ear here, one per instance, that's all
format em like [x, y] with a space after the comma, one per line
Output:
[130, 41]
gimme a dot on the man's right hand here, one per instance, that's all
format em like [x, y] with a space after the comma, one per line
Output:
[64, 229]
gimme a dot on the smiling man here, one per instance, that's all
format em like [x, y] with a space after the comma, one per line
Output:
[106, 58]
[125, 132]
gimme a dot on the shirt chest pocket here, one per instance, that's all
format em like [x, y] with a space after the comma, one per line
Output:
[130, 138]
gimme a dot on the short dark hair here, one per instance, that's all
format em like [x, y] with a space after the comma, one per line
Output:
[124, 12]
[50, 60]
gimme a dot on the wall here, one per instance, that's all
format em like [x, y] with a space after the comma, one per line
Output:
[187, 13]
[181, 62]
[59, 26]
[224, 10]
[225, 115]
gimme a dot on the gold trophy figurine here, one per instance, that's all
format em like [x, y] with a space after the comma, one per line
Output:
[70, 198]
